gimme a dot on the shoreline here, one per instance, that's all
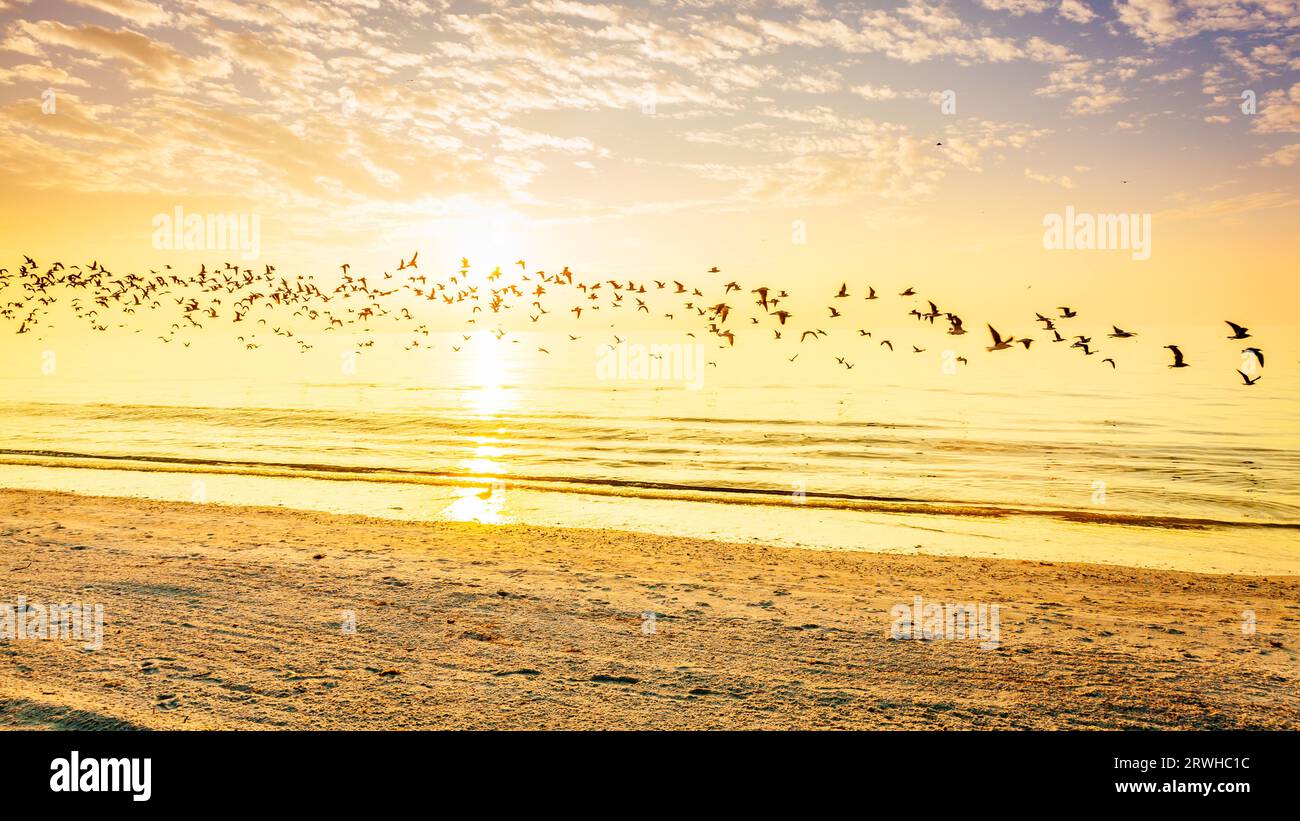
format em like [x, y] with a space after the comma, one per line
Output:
[647, 491]
[1250, 550]
[233, 617]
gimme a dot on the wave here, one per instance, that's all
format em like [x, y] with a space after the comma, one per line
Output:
[719, 494]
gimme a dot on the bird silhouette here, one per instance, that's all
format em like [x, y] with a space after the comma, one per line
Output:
[999, 344]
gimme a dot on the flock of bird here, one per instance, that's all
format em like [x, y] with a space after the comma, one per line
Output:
[257, 302]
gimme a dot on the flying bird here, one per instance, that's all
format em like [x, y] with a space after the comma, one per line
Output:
[999, 344]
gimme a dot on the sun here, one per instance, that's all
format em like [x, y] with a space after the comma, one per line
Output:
[486, 236]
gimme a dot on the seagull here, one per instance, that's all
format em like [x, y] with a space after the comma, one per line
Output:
[1120, 334]
[1111, 361]
[1238, 332]
[1258, 354]
[1066, 313]
[999, 344]
[1178, 357]
[1247, 379]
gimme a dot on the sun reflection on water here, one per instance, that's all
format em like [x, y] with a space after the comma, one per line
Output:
[484, 505]
[488, 375]
[489, 395]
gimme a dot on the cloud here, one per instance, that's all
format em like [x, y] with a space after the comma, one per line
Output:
[40, 74]
[1063, 181]
[353, 107]
[1016, 7]
[139, 12]
[870, 92]
[1162, 22]
[1152, 20]
[1286, 156]
[1234, 205]
[151, 62]
[1093, 86]
[1279, 112]
[1076, 11]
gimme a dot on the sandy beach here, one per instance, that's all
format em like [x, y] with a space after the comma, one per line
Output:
[234, 618]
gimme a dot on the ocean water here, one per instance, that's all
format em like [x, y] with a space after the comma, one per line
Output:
[1031, 454]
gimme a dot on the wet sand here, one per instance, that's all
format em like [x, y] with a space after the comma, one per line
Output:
[236, 617]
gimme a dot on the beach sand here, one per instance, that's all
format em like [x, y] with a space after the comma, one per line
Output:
[231, 617]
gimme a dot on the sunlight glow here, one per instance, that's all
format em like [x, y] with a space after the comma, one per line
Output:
[489, 372]
[477, 504]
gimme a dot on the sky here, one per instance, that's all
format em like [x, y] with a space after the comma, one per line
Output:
[796, 142]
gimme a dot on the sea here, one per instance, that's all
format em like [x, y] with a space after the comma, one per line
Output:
[1042, 454]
